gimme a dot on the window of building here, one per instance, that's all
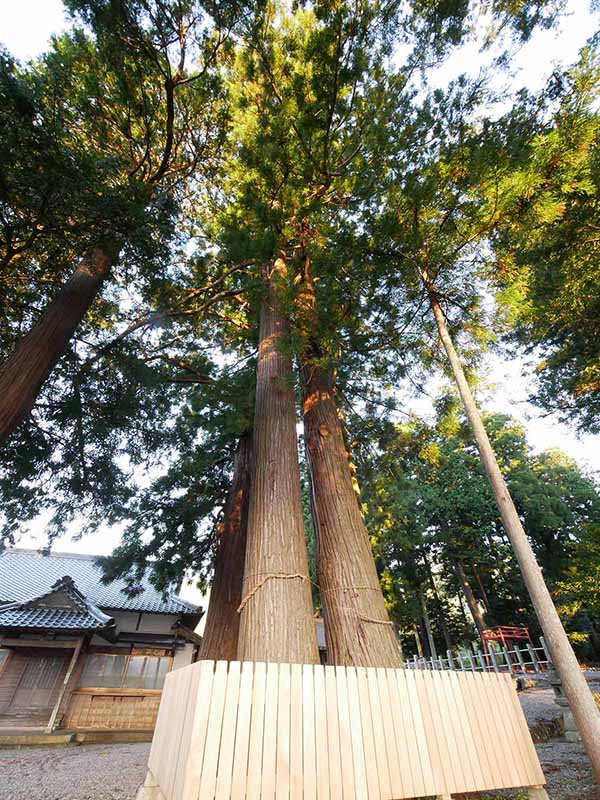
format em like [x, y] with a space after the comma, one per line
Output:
[105, 670]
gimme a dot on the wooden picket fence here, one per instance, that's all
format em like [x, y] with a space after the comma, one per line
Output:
[283, 732]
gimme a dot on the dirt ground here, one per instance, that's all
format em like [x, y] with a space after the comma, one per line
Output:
[114, 772]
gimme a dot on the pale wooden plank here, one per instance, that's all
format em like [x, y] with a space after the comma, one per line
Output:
[510, 772]
[383, 771]
[487, 724]
[345, 734]
[479, 730]
[242, 734]
[230, 712]
[177, 718]
[296, 725]
[367, 735]
[440, 777]
[333, 735]
[462, 731]
[425, 778]
[497, 734]
[389, 734]
[322, 754]
[208, 780]
[269, 767]
[356, 735]
[255, 748]
[520, 754]
[308, 733]
[282, 788]
[453, 770]
[164, 771]
[154, 761]
[186, 732]
[407, 781]
[535, 771]
[193, 770]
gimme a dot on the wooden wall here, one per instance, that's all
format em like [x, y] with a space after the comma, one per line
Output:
[112, 709]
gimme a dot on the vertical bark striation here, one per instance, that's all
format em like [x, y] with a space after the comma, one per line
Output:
[24, 372]
[276, 621]
[357, 625]
[474, 608]
[220, 638]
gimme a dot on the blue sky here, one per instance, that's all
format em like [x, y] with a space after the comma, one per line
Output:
[25, 27]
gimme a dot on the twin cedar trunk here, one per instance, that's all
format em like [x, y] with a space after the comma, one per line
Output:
[357, 627]
[24, 372]
[276, 621]
[220, 638]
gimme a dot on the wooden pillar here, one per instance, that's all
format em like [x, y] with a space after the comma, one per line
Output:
[67, 678]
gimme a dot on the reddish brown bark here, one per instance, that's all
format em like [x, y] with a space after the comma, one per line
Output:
[277, 618]
[220, 638]
[24, 372]
[474, 608]
[357, 626]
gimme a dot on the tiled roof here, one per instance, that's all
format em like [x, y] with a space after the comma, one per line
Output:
[26, 573]
[63, 607]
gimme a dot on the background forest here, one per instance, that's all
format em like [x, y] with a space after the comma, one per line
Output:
[163, 155]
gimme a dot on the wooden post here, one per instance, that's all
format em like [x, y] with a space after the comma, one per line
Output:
[63, 689]
[576, 688]
[534, 660]
[507, 659]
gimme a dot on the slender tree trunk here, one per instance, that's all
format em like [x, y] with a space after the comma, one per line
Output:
[440, 607]
[484, 596]
[427, 625]
[417, 636]
[575, 686]
[474, 608]
[276, 621]
[24, 372]
[220, 638]
[357, 626]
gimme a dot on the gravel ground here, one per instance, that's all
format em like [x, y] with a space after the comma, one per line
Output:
[87, 772]
[114, 772]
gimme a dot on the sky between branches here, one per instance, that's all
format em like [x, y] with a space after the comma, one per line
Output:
[25, 28]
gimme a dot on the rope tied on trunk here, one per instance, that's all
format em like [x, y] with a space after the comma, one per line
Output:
[270, 576]
[378, 621]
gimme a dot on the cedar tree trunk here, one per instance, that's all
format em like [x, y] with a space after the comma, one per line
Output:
[277, 621]
[474, 608]
[357, 626]
[577, 691]
[220, 638]
[24, 372]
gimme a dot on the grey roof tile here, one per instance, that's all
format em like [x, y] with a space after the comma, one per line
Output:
[27, 573]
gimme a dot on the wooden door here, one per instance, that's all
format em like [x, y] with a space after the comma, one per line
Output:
[38, 687]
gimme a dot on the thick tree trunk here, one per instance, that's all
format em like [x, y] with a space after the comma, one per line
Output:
[357, 626]
[220, 638]
[474, 608]
[575, 686]
[441, 609]
[24, 372]
[484, 596]
[417, 636]
[277, 621]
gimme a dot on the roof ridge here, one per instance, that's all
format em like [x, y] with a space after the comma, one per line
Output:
[32, 551]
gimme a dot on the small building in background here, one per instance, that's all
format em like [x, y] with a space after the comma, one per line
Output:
[80, 655]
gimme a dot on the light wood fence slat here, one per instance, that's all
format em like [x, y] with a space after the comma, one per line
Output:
[368, 736]
[256, 732]
[242, 734]
[231, 731]
[282, 789]
[333, 735]
[191, 785]
[230, 712]
[383, 769]
[296, 726]
[356, 736]
[309, 765]
[322, 754]
[345, 734]
[208, 782]
[269, 767]
[389, 734]
[186, 731]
